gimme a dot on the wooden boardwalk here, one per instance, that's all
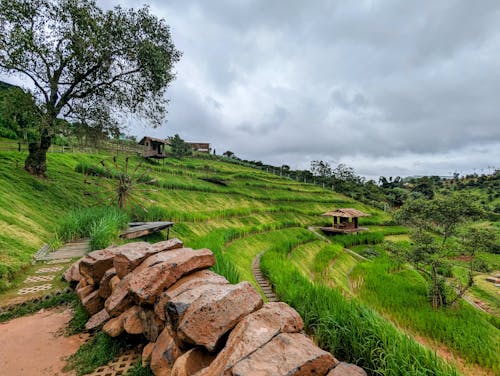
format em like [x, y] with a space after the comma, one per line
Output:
[263, 282]
[138, 229]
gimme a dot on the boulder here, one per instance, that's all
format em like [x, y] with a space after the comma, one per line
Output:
[347, 369]
[151, 324]
[104, 286]
[216, 312]
[93, 303]
[131, 320]
[84, 291]
[97, 320]
[128, 256]
[184, 284]
[176, 307]
[163, 269]
[253, 332]
[146, 354]
[191, 362]
[114, 327]
[73, 273]
[119, 300]
[113, 282]
[94, 265]
[164, 353]
[291, 354]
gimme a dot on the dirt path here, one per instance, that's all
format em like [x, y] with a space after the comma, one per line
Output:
[35, 345]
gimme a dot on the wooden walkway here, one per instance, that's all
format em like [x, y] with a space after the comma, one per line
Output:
[138, 229]
[263, 282]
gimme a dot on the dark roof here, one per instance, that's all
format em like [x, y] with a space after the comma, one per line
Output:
[159, 140]
[346, 213]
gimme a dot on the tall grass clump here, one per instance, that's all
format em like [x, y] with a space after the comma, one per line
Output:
[323, 258]
[101, 224]
[347, 328]
[357, 239]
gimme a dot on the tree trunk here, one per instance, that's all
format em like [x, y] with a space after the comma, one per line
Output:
[36, 162]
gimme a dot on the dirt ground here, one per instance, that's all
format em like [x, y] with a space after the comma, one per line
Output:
[35, 345]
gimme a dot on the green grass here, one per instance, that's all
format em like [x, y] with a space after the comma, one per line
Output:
[346, 328]
[402, 295]
[255, 212]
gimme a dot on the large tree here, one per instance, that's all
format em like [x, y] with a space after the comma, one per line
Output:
[85, 64]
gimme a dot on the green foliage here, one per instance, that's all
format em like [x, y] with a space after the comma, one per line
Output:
[348, 329]
[325, 256]
[360, 238]
[101, 224]
[179, 147]
[97, 352]
[80, 317]
[32, 307]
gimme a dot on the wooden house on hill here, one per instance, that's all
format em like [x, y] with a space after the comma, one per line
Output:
[201, 147]
[345, 221]
[153, 147]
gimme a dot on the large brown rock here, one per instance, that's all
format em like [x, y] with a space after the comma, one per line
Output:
[119, 300]
[94, 265]
[97, 320]
[93, 303]
[84, 291]
[164, 353]
[253, 332]
[184, 284]
[113, 282]
[191, 362]
[104, 286]
[290, 354]
[132, 321]
[151, 324]
[146, 354]
[129, 256]
[73, 273]
[212, 315]
[114, 327]
[347, 369]
[163, 269]
[176, 307]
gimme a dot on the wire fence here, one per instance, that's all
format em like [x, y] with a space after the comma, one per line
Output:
[103, 147]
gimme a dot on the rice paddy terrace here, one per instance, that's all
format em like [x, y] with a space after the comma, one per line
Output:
[365, 309]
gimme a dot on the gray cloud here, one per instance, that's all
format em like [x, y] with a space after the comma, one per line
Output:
[388, 87]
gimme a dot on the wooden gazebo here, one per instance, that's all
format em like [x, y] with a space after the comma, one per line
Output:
[345, 221]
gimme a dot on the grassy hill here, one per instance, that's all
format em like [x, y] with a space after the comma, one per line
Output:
[239, 212]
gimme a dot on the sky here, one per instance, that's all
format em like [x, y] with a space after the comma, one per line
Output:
[388, 87]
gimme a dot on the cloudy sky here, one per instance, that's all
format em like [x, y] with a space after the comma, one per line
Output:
[388, 87]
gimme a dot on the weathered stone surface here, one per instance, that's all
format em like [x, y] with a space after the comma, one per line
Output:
[163, 269]
[253, 332]
[113, 282]
[191, 362]
[131, 320]
[93, 303]
[119, 300]
[165, 352]
[184, 284]
[146, 354]
[151, 324]
[291, 354]
[176, 307]
[97, 320]
[128, 256]
[94, 265]
[347, 369]
[210, 316]
[114, 327]
[84, 291]
[104, 286]
[73, 273]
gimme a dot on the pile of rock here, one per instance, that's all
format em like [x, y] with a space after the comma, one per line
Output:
[196, 322]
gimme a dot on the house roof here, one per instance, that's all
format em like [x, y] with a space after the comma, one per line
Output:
[346, 213]
[159, 140]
